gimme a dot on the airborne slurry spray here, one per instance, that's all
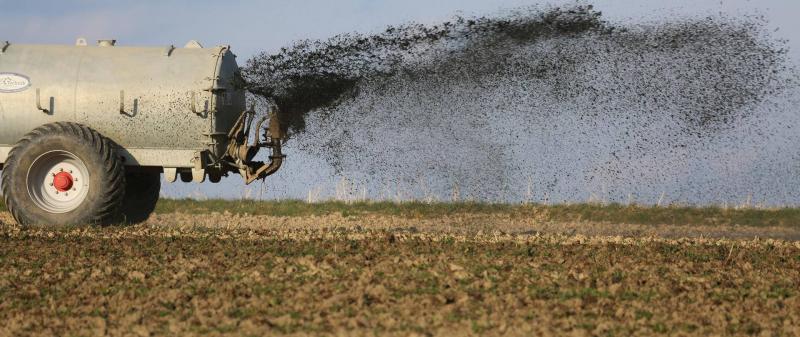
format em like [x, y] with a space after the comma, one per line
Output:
[551, 104]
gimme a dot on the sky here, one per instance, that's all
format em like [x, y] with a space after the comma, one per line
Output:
[252, 26]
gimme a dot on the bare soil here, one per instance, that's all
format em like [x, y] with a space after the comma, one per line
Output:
[372, 274]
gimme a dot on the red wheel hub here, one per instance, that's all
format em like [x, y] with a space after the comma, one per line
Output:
[62, 181]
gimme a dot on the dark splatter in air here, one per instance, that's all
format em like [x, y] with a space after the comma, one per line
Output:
[315, 74]
[539, 104]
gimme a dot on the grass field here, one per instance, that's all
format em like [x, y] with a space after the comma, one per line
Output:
[645, 215]
[288, 268]
[616, 213]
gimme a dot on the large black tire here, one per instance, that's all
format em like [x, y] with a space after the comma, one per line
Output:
[96, 199]
[141, 196]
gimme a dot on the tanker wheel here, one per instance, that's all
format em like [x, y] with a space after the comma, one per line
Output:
[141, 196]
[63, 174]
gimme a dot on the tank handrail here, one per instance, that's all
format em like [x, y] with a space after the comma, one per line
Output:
[39, 102]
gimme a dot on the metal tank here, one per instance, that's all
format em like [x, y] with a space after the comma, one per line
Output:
[180, 111]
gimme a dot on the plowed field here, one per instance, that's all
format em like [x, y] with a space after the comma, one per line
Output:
[380, 274]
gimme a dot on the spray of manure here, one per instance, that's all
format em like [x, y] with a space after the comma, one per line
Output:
[543, 105]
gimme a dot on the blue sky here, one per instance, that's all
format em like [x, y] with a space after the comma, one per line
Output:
[251, 25]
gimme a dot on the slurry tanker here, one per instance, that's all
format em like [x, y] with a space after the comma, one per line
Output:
[87, 130]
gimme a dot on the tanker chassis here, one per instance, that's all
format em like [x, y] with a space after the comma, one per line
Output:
[87, 131]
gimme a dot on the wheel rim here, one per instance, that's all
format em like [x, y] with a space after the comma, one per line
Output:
[58, 182]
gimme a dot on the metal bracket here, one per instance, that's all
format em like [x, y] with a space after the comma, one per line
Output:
[122, 102]
[170, 174]
[122, 111]
[198, 172]
[216, 85]
[198, 176]
[168, 50]
[39, 102]
[214, 136]
[219, 50]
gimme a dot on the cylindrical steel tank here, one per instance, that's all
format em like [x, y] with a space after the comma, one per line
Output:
[162, 105]
[85, 132]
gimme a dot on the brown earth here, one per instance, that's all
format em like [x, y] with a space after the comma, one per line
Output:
[223, 274]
